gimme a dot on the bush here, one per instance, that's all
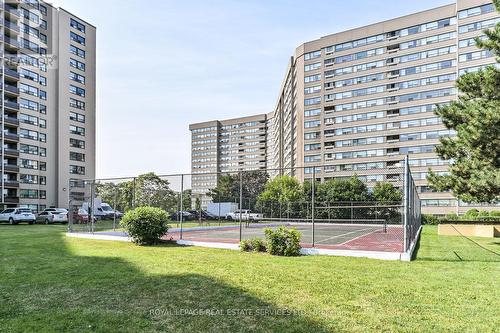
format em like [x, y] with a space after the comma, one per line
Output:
[430, 219]
[246, 245]
[258, 245]
[471, 214]
[451, 217]
[495, 214]
[283, 242]
[145, 225]
[253, 245]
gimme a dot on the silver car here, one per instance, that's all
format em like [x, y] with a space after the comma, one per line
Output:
[53, 216]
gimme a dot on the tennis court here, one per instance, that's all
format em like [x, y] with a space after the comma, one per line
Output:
[373, 235]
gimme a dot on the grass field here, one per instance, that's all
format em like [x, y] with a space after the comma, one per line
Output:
[49, 283]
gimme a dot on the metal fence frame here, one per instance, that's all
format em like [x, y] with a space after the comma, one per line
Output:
[411, 209]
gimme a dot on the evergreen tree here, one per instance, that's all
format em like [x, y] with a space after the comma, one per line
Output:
[475, 151]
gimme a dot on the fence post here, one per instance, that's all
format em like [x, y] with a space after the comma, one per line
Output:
[313, 189]
[241, 205]
[133, 193]
[114, 211]
[92, 214]
[70, 215]
[405, 205]
[181, 212]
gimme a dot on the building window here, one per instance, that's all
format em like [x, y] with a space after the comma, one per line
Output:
[77, 130]
[312, 55]
[77, 91]
[77, 64]
[76, 104]
[77, 25]
[76, 170]
[27, 134]
[77, 77]
[75, 143]
[79, 157]
[77, 38]
[76, 51]
[77, 117]
[29, 105]
[27, 119]
[28, 194]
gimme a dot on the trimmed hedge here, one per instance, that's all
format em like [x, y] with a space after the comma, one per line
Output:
[473, 215]
[145, 225]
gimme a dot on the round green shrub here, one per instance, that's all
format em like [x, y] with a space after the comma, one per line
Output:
[471, 214]
[283, 242]
[145, 225]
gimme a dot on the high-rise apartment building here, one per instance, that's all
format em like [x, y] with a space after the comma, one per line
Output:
[226, 146]
[48, 104]
[359, 101]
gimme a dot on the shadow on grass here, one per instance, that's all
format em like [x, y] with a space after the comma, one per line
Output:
[46, 287]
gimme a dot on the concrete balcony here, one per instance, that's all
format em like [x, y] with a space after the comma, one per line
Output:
[11, 200]
[12, 12]
[11, 42]
[11, 73]
[11, 183]
[11, 121]
[12, 27]
[11, 167]
[11, 152]
[11, 105]
[13, 90]
[11, 137]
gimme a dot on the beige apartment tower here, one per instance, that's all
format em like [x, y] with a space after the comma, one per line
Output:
[48, 104]
[359, 101]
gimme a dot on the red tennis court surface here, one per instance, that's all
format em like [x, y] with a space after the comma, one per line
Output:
[359, 237]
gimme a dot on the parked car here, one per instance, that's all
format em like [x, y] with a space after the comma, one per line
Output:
[53, 209]
[82, 217]
[203, 214]
[17, 215]
[187, 216]
[246, 215]
[53, 216]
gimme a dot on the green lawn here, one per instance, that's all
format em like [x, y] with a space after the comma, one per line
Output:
[50, 283]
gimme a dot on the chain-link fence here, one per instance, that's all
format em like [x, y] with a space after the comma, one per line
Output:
[368, 207]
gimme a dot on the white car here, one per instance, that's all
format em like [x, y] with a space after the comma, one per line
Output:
[53, 216]
[246, 215]
[55, 210]
[17, 215]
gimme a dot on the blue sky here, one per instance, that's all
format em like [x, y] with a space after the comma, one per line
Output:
[165, 64]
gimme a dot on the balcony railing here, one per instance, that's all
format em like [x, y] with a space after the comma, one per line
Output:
[13, 200]
[10, 88]
[11, 120]
[11, 167]
[11, 105]
[11, 73]
[11, 183]
[12, 10]
[11, 41]
[11, 136]
[12, 26]
[11, 152]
